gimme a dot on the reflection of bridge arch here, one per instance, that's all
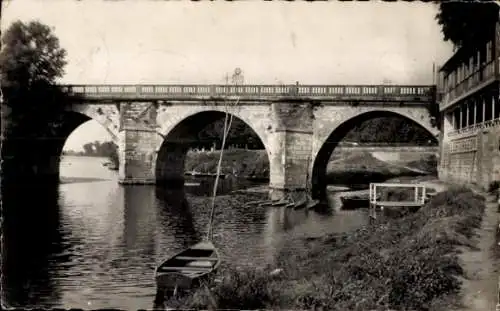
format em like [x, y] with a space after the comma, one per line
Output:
[332, 127]
[180, 129]
[175, 217]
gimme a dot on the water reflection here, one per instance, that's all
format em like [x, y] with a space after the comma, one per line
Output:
[225, 185]
[31, 230]
[96, 244]
[175, 217]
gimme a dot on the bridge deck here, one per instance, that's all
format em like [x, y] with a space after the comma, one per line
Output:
[412, 93]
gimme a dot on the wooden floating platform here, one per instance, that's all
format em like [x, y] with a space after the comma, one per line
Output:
[420, 197]
[397, 204]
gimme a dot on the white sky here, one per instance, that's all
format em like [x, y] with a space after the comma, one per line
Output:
[273, 42]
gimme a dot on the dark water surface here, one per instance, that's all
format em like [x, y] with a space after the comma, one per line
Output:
[91, 243]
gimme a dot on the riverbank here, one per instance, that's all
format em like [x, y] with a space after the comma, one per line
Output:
[345, 167]
[410, 262]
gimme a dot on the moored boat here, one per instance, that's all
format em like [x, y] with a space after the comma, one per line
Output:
[355, 201]
[256, 202]
[186, 269]
[312, 204]
[274, 203]
[299, 204]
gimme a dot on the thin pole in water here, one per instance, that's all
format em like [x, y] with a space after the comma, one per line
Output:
[227, 127]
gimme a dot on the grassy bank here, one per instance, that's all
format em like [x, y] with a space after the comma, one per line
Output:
[409, 263]
[245, 162]
[344, 167]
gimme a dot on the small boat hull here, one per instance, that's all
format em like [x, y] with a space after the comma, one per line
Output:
[299, 204]
[169, 281]
[354, 202]
[274, 203]
[186, 269]
[312, 204]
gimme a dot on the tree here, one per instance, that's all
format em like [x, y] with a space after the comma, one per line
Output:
[467, 22]
[30, 62]
[31, 57]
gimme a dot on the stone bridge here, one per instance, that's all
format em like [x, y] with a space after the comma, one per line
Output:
[299, 125]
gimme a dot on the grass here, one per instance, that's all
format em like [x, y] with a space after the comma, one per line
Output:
[427, 163]
[409, 263]
[246, 162]
[344, 167]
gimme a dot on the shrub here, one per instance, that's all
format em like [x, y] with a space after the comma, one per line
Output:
[494, 186]
[408, 263]
[239, 289]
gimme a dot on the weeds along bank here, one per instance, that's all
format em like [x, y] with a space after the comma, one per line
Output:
[407, 263]
[344, 167]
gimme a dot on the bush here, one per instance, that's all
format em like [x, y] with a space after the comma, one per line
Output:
[409, 263]
[494, 186]
[239, 289]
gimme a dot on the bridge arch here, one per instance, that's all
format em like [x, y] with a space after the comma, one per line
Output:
[179, 131]
[328, 133]
[108, 115]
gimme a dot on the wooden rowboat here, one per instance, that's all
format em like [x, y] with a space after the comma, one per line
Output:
[312, 204]
[280, 203]
[274, 203]
[186, 269]
[299, 204]
[256, 202]
[355, 201]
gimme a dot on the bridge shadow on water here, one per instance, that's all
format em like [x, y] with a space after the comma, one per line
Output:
[31, 235]
[176, 214]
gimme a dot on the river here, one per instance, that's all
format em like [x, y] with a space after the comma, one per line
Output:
[92, 243]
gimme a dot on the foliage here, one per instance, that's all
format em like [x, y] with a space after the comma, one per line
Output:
[239, 134]
[245, 162]
[467, 22]
[428, 164]
[408, 263]
[31, 55]
[389, 130]
[97, 149]
[494, 186]
[30, 61]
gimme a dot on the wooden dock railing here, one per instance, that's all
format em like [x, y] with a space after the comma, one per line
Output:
[376, 201]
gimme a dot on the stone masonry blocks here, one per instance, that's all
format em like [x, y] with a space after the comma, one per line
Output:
[292, 132]
[105, 114]
[479, 164]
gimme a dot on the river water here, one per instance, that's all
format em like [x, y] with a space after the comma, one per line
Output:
[91, 243]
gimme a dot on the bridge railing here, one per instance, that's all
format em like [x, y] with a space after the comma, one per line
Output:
[251, 90]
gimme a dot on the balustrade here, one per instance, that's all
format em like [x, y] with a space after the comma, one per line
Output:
[475, 77]
[326, 91]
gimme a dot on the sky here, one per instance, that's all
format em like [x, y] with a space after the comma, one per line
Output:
[272, 42]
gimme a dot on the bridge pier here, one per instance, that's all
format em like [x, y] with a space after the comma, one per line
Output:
[138, 143]
[290, 147]
[170, 163]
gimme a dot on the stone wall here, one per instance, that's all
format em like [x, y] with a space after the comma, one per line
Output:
[472, 158]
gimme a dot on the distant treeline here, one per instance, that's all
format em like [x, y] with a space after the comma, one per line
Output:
[383, 130]
[390, 130]
[105, 149]
[386, 130]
